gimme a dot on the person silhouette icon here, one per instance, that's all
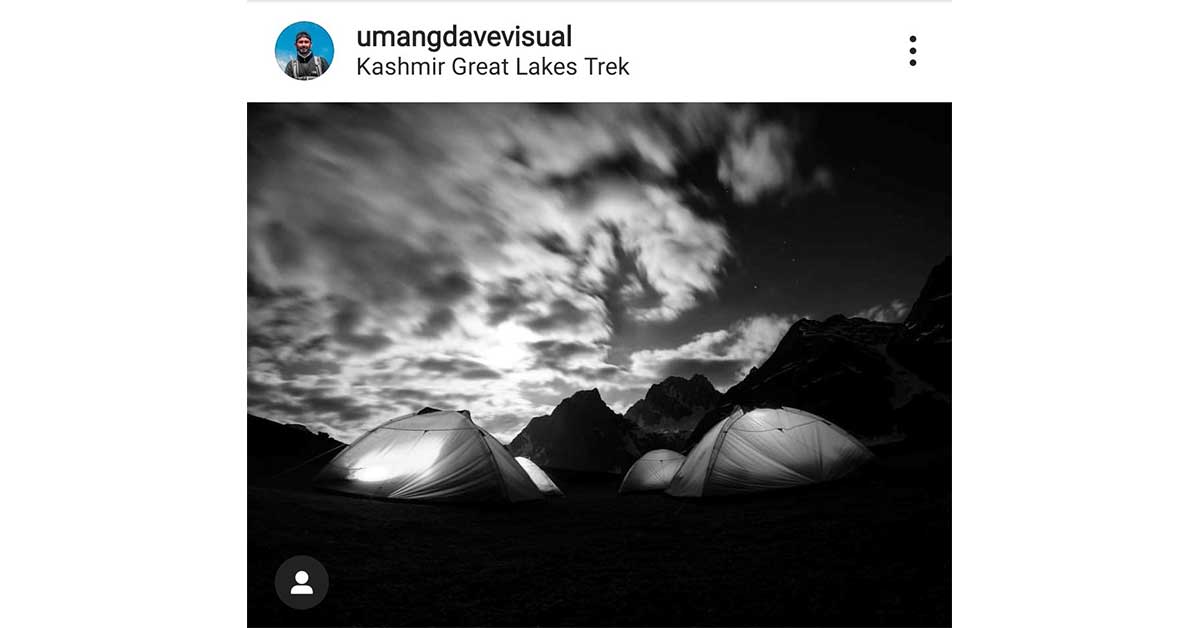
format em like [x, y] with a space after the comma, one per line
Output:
[301, 582]
[301, 587]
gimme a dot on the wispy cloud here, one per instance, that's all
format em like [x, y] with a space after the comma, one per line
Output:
[894, 312]
[724, 356]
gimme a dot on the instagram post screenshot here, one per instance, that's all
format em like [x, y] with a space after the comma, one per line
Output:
[599, 314]
[545, 328]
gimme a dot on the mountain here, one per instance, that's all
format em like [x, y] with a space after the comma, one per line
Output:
[673, 404]
[929, 320]
[858, 330]
[870, 378]
[923, 343]
[581, 434]
[286, 450]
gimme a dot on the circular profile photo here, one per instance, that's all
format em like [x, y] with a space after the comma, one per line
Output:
[304, 51]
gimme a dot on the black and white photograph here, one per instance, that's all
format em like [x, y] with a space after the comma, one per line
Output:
[611, 364]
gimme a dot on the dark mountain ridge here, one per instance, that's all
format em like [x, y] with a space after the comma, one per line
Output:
[673, 404]
[285, 450]
[871, 378]
[581, 434]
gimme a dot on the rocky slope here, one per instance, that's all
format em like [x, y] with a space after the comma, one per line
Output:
[275, 449]
[673, 404]
[923, 343]
[581, 434]
[870, 378]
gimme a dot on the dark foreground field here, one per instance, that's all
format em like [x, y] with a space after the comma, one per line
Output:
[869, 550]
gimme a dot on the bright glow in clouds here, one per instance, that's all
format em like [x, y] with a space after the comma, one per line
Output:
[391, 463]
[506, 347]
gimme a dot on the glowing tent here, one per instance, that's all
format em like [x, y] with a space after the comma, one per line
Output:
[539, 477]
[442, 456]
[764, 449]
[652, 472]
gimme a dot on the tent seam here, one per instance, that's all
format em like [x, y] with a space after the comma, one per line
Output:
[717, 449]
[495, 466]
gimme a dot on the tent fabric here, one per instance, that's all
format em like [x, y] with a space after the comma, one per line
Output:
[440, 456]
[652, 472]
[539, 477]
[765, 449]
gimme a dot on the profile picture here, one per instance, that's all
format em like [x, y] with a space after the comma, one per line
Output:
[304, 51]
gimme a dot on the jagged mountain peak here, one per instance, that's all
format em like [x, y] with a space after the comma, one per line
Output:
[591, 396]
[673, 404]
[582, 434]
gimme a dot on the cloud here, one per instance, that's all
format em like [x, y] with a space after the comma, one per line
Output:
[294, 368]
[397, 393]
[560, 314]
[339, 408]
[437, 322]
[340, 414]
[677, 255]
[505, 303]
[462, 367]
[256, 389]
[507, 425]
[474, 253]
[757, 160]
[555, 353]
[894, 312]
[724, 356]
[482, 372]
[419, 206]
[346, 324]
[448, 288]
[596, 373]
[822, 179]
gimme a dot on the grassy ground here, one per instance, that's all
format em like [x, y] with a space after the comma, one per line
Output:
[869, 550]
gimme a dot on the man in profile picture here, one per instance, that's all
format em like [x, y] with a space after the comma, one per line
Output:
[305, 66]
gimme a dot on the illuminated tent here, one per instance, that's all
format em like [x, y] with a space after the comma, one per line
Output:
[539, 477]
[652, 472]
[764, 449]
[441, 456]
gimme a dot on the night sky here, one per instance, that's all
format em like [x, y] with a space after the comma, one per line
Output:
[498, 258]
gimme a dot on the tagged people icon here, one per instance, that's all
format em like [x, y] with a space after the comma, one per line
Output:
[301, 587]
[304, 51]
[301, 582]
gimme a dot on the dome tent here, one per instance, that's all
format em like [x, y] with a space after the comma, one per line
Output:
[765, 449]
[539, 477]
[437, 456]
[652, 472]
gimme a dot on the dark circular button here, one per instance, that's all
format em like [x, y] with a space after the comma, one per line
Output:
[913, 39]
[912, 61]
[301, 582]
